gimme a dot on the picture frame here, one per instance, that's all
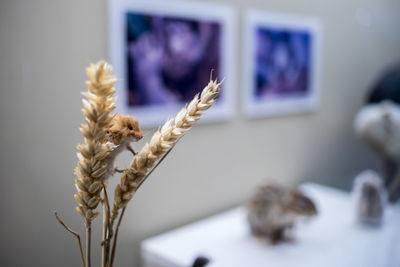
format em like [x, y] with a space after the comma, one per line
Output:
[282, 64]
[165, 52]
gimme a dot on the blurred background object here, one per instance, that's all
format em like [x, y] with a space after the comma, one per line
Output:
[200, 261]
[169, 58]
[163, 52]
[44, 48]
[282, 63]
[387, 87]
[282, 67]
[370, 197]
[378, 124]
[273, 211]
[330, 239]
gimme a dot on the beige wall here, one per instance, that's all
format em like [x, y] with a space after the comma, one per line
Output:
[44, 47]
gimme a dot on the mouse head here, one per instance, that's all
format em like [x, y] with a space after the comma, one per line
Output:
[124, 128]
[301, 205]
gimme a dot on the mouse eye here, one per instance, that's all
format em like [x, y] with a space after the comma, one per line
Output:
[130, 127]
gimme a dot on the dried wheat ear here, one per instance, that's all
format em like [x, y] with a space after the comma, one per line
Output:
[162, 141]
[98, 109]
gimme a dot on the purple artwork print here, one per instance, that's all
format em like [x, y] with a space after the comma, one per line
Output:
[282, 63]
[169, 58]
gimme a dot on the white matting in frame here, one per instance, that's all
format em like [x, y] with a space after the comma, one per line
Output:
[282, 68]
[144, 29]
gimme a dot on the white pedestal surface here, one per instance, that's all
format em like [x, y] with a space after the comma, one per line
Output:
[333, 238]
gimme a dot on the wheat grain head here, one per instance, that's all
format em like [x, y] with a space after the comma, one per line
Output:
[97, 108]
[161, 142]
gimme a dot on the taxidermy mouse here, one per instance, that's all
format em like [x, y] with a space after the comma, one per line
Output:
[370, 197]
[378, 123]
[274, 209]
[123, 131]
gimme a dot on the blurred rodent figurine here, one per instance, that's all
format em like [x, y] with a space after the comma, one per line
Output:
[378, 123]
[273, 210]
[370, 198]
[123, 131]
[379, 126]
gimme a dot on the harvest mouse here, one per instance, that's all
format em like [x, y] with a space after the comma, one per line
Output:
[123, 131]
[274, 209]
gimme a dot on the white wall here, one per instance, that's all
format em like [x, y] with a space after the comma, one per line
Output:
[44, 48]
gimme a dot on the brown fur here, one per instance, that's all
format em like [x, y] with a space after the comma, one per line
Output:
[123, 131]
[122, 127]
[301, 204]
[274, 209]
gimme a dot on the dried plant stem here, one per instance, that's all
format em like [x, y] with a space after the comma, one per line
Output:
[88, 243]
[104, 237]
[123, 211]
[78, 237]
[114, 246]
[158, 163]
[105, 249]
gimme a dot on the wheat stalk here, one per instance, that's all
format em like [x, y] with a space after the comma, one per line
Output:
[161, 142]
[92, 166]
[153, 153]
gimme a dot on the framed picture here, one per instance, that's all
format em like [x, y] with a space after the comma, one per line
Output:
[164, 52]
[282, 64]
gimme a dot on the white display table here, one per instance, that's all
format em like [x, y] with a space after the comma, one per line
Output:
[331, 239]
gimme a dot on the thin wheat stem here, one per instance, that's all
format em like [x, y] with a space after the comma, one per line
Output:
[107, 229]
[88, 243]
[123, 211]
[158, 163]
[116, 236]
[104, 236]
[78, 237]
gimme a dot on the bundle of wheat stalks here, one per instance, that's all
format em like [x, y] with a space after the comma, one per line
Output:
[92, 168]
